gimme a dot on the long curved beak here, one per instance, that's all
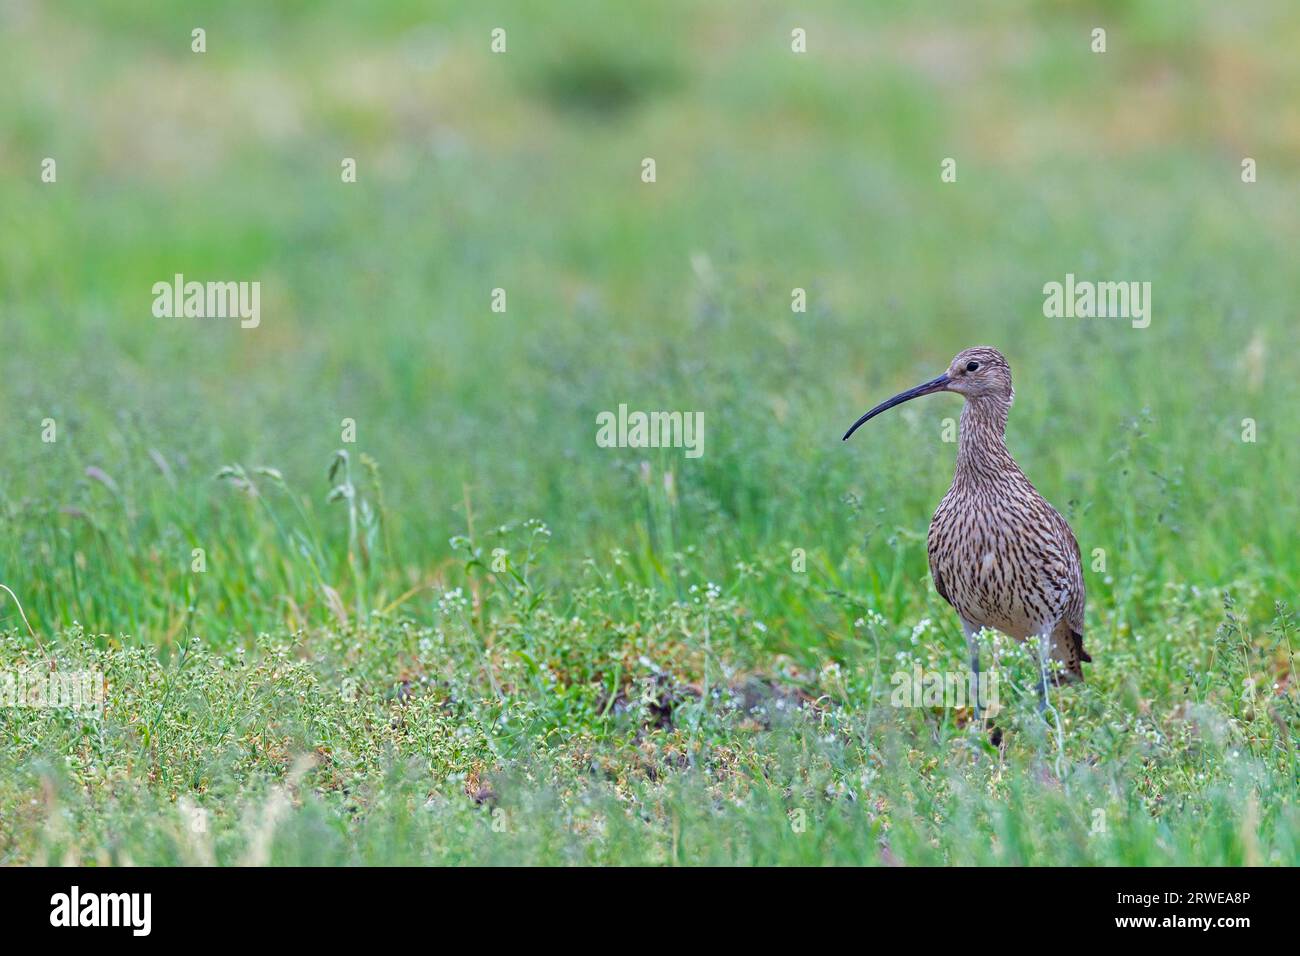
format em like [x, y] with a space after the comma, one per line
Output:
[926, 388]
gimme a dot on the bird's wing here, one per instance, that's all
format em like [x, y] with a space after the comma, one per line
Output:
[931, 550]
[938, 583]
[1075, 597]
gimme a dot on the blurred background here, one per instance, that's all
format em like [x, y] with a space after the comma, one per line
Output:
[522, 171]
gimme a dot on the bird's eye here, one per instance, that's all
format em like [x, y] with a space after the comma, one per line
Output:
[972, 366]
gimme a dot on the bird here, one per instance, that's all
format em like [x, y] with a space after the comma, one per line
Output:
[1002, 556]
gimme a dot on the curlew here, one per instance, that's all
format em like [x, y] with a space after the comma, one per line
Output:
[999, 553]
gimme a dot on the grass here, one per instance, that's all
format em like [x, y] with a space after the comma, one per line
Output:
[472, 635]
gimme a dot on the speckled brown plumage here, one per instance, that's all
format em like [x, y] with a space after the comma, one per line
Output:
[999, 553]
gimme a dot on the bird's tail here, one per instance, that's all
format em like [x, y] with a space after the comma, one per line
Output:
[1078, 646]
[1067, 648]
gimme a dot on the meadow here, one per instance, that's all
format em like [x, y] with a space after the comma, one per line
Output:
[364, 588]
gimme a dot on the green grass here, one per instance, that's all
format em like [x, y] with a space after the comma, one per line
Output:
[354, 678]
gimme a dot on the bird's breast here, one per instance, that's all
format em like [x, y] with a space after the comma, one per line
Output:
[992, 564]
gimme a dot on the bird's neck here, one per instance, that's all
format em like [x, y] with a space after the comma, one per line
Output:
[982, 444]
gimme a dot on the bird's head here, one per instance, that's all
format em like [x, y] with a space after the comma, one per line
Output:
[975, 373]
[980, 372]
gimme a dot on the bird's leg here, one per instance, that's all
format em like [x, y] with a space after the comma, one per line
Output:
[1044, 651]
[973, 645]
[1044, 654]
